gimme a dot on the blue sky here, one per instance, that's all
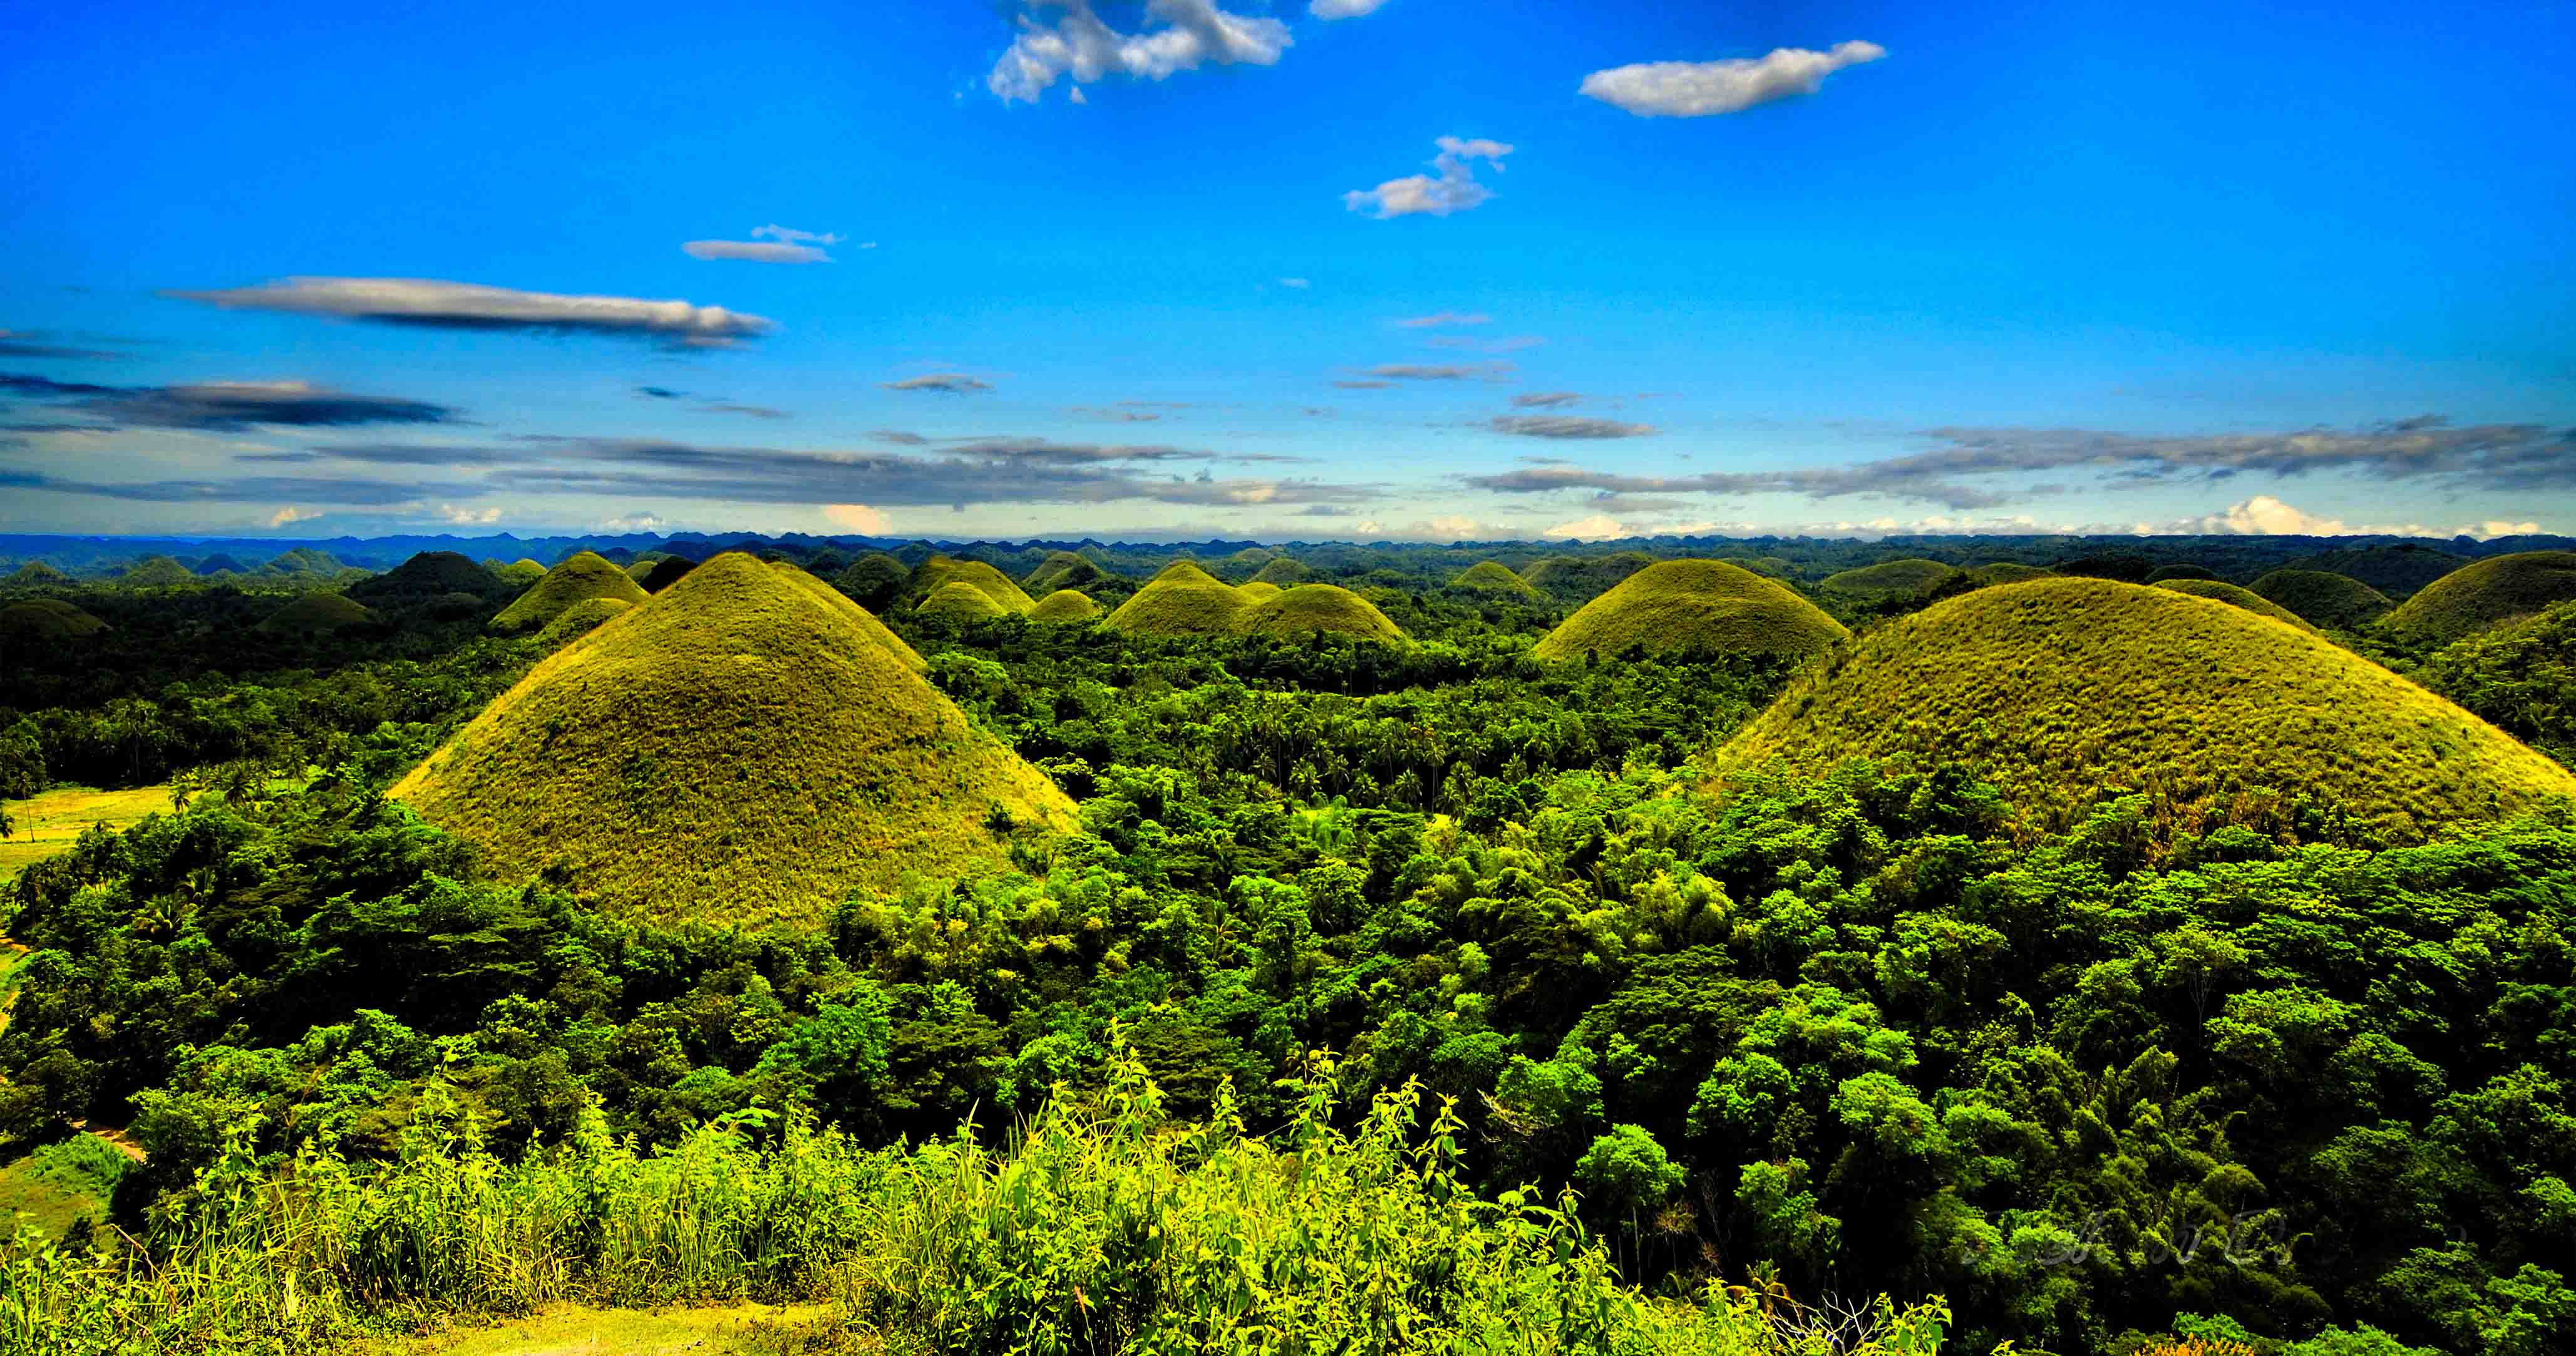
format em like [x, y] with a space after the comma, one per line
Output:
[1779, 267]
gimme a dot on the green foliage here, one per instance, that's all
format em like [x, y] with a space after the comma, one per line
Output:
[2004, 572]
[2328, 600]
[2395, 571]
[36, 621]
[2485, 595]
[1697, 607]
[873, 581]
[583, 577]
[425, 578]
[2522, 677]
[2060, 690]
[1062, 570]
[736, 747]
[157, 572]
[313, 614]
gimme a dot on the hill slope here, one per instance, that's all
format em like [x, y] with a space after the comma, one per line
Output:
[960, 600]
[1320, 607]
[2060, 688]
[1695, 605]
[1062, 570]
[734, 749]
[583, 576]
[2218, 590]
[37, 619]
[839, 605]
[2487, 594]
[994, 584]
[580, 618]
[2393, 570]
[2323, 598]
[1486, 576]
[1183, 600]
[1065, 607]
[1285, 572]
[2004, 572]
[315, 614]
[428, 575]
[1890, 579]
[1259, 591]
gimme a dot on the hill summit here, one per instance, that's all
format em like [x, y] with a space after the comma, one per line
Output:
[737, 747]
[1183, 600]
[2490, 593]
[1319, 607]
[581, 577]
[1694, 605]
[2057, 690]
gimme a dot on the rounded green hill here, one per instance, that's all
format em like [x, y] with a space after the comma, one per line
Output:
[959, 600]
[839, 605]
[1245, 564]
[1258, 591]
[580, 618]
[583, 576]
[36, 574]
[940, 570]
[2220, 591]
[663, 573]
[157, 572]
[1486, 576]
[2058, 690]
[873, 580]
[315, 614]
[40, 619]
[1573, 577]
[1062, 570]
[1183, 600]
[1285, 572]
[1065, 607]
[2004, 572]
[2323, 598]
[426, 577]
[521, 573]
[733, 750]
[2394, 570]
[2166, 573]
[1328, 608]
[1890, 579]
[2487, 594]
[1697, 606]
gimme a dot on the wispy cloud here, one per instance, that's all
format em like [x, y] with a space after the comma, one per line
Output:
[1182, 35]
[1545, 400]
[1299, 284]
[37, 344]
[472, 306]
[1440, 371]
[1454, 190]
[952, 383]
[1343, 9]
[1568, 426]
[1363, 385]
[769, 245]
[1437, 319]
[748, 411]
[219, 406]
[1693, 89]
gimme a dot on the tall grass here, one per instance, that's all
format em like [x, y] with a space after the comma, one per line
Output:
[1101, 1227]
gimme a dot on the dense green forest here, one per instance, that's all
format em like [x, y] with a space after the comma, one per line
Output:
[1604, 1041]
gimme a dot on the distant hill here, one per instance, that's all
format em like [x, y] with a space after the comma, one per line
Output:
[994, 584]
[1183, 600]
[1575, 578]
[31, 620]
[2324, 599]
[1890, 579]
[1065, 607]
[662, 574]
[2486, 594]
[426, 577]
[584, 576]
[1062, 570]
[2164, 573]
[2061, 690]
[2223, 592]
[521, 573]
[580, 618]
[732, 750]
[314, 614]
[1327, 608]
[1486, 576]
[960, 600]
[1283, 572]
[1258, 591]
[2393, 570]
[1694, 605]
[873, 580]
[36, 574]
[157, 572]
[2005, 572]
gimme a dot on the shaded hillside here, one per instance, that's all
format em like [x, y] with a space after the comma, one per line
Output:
[582, 577]
[2486, 594]
[2324, 599]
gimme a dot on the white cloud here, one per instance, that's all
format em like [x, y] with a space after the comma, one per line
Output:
[466, 517]
[1455, 190]
[291, 514]
[1343, 9]
[1079, 97]
[755, 251]
[454, 305]
[1301, 284]
[1694, 89]
[953, 383]
[1439, 318]
[633, 522]
[792, 236]
[858, 518]
[1192, 33]
[1597, 527]
[1442, 527]
[2264, 515]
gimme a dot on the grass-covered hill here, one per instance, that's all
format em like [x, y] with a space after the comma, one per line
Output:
[579, 619]
[663, 573]
[1575, 578]
[2324, 598]
[1776, 567]
[2004, 572]
[157, 572]
[1061, 570]
[2179, 570]
[1065, 607]
[1486, 576]
[734, 749]
[2057, 690]
[36, 574]
[1258, 591]
[875, 579]
[839, 605]
[2218, 590]
[1890, 579]
[2394, 570]
[941, 570]
[315, 614]
[38, 619]
[960, 600]
[1698, 606]
[2487, 594]
[584, 576]
[1183, 600]
[425, 577]
[1285, 572]
[1319, 607]
[521, 573]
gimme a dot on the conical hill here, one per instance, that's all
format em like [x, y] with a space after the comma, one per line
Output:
[36, 574]
[839, 605]
[959, 600]
[1065, 607]
[518, 574]
[2493, 591]
[1259, 591]
[315, 614]
[734, 749]
[2324, 598]
[32, 620]
[1328, 608]
[1285, 572]
[2059, 690]
[583, 576]
[580, 618]
[1062, 570]
[427, 576]
[995, 585]
[1890, 579]
[1183, 600]
[1486, 576]
[2219, 590]
[1694, 605]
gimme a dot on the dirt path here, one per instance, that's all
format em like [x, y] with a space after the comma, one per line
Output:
[114, 1135]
